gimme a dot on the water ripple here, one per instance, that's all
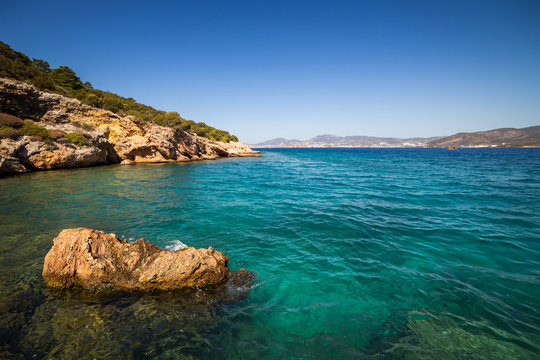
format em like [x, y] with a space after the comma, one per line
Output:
[360, 253]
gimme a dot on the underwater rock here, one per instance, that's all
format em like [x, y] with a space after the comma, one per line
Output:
[94, 260]
[434, 335]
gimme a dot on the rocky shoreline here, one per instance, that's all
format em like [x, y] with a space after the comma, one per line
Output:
[43, 131]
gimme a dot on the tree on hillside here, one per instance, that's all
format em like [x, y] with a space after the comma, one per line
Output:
[64, 81]
[41, 65]
[67, 78]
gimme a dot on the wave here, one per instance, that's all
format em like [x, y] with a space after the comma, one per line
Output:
[176, 245]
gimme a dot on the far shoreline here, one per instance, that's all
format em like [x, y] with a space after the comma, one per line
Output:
[393, 147]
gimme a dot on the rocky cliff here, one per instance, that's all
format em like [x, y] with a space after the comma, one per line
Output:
[40, 131]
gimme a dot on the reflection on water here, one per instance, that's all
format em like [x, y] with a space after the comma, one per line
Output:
[406, 254]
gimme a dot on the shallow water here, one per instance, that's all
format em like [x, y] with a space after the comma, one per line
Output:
[360, 253]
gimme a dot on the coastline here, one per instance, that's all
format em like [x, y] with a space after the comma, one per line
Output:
[374, 229]
[391, 147]
[45, 131]
[496, 138]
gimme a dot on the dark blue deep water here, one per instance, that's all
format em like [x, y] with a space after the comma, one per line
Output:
[360, 253]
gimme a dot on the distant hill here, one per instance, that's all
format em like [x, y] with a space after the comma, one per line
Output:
[346, 141]
[505, 137]
[278, 142]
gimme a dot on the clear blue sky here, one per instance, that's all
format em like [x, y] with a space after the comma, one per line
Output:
[296, 69]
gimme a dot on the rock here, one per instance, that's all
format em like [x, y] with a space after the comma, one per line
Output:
[33, 153]
[11, 165]
[57, 134]
[115, 139]
[64, 156]
[239, 149]
[238, 286]
[63, 140]
[10, 120]
[92, 260]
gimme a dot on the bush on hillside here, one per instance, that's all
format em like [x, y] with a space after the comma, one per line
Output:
[66, 78]
[64, 81]
[31, 129]
[7, 132]
[77, 139]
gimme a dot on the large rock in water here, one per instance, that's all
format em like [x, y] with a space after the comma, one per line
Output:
[93, 259]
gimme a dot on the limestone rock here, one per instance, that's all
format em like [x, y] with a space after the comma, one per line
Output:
[11, 165]
[114, 138]
[92, 259]
[10, 120]
[32, 153]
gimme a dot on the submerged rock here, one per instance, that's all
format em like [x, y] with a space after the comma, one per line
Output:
[93, 260]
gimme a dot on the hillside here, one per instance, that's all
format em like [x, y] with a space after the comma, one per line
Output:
[64, 81]
[346, 141]
[505, 137]
[42, 131]
[278, 142]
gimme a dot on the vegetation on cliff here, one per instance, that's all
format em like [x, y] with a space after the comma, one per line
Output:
[64, 81]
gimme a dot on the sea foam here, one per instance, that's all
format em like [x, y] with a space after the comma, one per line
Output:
[176, 245]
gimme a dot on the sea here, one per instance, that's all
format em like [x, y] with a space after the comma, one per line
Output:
[359, 254]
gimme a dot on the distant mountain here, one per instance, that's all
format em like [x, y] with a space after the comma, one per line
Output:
[278, 142]
[328, 140]
[506, 137]
[325, 139]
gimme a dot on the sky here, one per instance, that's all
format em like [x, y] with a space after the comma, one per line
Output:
[300, 68]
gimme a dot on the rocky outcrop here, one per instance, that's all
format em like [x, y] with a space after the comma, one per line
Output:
[32, 153]
[94, 260]
[108, 137]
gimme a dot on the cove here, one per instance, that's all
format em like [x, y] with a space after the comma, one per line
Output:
[360, 253]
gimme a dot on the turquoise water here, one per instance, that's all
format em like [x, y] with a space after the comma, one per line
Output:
[360, 253]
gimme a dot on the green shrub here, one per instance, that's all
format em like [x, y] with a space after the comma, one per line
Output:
[87, 127]
[92, 100]
[44, 82]
[112, 103]
[31, 129]
[7, 132]
[66, 78]
[76, 139]
[41, 65]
